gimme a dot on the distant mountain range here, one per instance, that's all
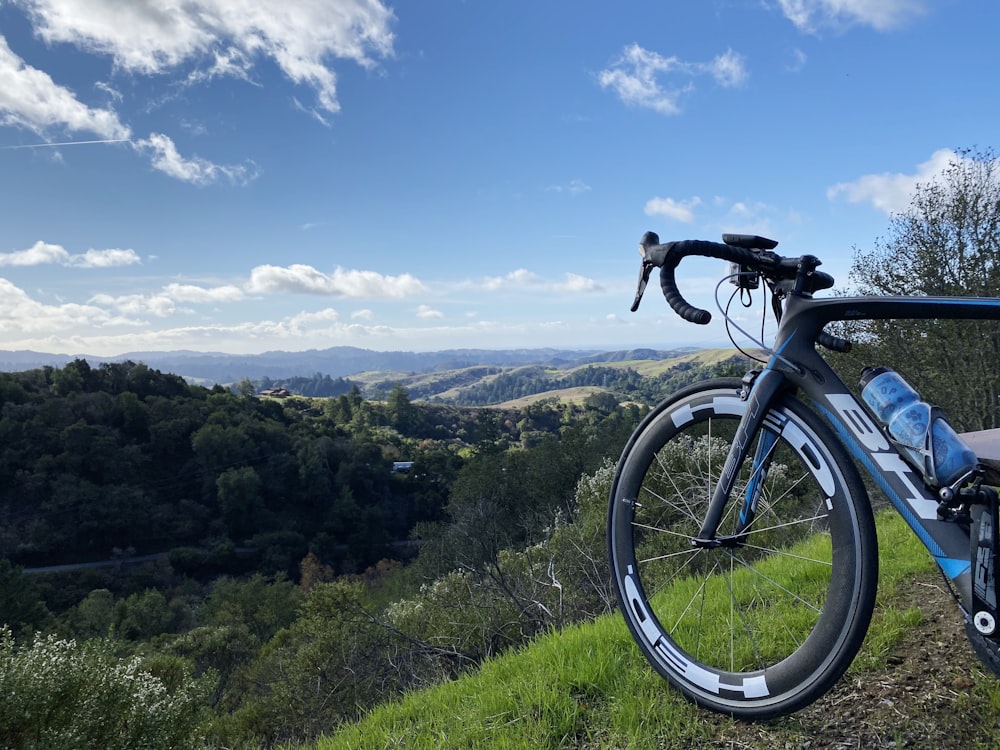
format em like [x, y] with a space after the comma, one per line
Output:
[209, 368]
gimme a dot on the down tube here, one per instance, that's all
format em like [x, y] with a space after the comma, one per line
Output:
[946, 541]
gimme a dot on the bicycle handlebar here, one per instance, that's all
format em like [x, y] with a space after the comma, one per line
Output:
[677, 251]
[668, 256]
[757, 258]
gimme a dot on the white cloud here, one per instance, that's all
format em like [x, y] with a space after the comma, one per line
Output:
[364, 314]
[23, 315]
[105, 258]
[42, 253]
[882, 15]
[303, 279]
[154, 36]
[427, 312]
[575, 283]
[518, 279]
[159, 305]
[203, 295]
[301, 322]
[523, 279]
[29, 98]
[38, 254]
[637, 77]
[165, 158]
[729, 69]
[672, 209]
[889, 192]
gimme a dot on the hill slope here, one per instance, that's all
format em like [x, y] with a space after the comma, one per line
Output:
[915, 684]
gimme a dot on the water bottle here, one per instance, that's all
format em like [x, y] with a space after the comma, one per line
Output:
[923, 433]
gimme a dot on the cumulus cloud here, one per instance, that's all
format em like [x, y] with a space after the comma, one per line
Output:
[643, 78]
[43, 253]
[672, 209]
[137, 305]
[523, 279]
[303, 321]
[155, 36]
[892, 192]
[105, 258]
[883, 15]
[203, 295]
[575, 283]
[514, 280]
[29, 98]
[303, 279]
[165, 157]
[427, 312]
[38, 254]
[20, 313]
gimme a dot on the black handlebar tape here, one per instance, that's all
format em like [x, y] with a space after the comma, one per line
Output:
[677, 303]
[674, 252]
[833, 343]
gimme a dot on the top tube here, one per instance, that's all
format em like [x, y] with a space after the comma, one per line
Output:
[807, 315]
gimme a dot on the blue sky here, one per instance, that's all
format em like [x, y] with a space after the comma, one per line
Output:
[244, 175]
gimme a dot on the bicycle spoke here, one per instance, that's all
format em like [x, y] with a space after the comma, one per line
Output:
[785, 553]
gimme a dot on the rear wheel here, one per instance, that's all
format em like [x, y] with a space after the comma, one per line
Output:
[767, 621]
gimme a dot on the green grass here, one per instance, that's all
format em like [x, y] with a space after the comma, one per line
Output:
[587, 686]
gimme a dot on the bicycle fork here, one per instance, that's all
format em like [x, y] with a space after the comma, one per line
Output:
[760, 388]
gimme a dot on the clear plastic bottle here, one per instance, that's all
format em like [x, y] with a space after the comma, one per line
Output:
[925, 436]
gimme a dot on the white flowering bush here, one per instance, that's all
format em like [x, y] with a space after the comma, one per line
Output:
[58, 694]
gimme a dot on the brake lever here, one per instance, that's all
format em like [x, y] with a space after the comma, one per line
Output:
[644, 271]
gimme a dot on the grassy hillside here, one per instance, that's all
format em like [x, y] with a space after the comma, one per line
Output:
[575, 395]
[915, 684]
[615, 372]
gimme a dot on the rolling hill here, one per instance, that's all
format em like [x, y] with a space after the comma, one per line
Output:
[470, 377]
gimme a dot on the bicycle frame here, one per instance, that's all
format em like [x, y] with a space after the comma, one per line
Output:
[796, 363]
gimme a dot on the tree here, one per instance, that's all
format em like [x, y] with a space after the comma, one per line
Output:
[946, 243]
[324, 668]
[403, 415]
[240, 500]
[21, 604]
[93, 616]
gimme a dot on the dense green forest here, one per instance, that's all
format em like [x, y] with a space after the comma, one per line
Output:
[121, 460]
[95, 462]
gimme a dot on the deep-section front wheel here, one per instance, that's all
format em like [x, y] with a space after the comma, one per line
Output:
[764, 619]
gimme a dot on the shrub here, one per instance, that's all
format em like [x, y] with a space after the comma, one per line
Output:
[58, 694]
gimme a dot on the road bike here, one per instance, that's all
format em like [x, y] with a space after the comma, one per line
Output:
[741, 537]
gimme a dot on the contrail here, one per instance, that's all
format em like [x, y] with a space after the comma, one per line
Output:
[64, 143]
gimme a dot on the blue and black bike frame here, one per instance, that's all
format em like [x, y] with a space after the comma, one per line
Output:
[796, 365]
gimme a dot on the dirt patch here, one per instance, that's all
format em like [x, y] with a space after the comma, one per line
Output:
[933, 693]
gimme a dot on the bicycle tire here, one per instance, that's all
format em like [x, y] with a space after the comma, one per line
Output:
[739, 630]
